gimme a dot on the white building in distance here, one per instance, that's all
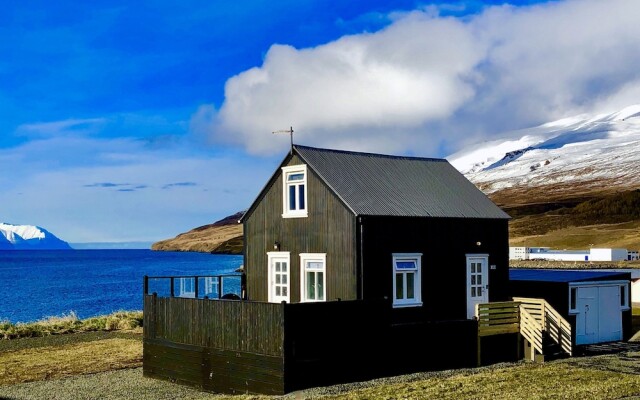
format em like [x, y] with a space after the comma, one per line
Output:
[594, 254]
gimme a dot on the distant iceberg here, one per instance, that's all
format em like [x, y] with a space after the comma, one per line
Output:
[29, 237]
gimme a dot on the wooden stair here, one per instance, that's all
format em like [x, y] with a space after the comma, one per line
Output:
[547, 335]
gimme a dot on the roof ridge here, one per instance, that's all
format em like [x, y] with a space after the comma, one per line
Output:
[297, 146]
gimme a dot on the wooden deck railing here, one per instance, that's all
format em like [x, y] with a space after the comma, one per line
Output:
[246, 326]
[194, 286]
[557, 328]
[532, 318]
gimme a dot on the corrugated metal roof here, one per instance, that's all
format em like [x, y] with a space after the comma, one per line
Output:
[381, 185]
[561, 275]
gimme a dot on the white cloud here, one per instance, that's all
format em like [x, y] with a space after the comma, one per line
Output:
[426, 82]
[70, 126]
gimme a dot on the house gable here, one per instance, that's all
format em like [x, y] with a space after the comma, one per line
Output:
[329, 228]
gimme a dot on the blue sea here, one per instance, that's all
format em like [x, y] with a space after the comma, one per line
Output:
[39, 284]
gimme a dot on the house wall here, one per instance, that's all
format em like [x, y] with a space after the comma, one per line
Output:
[329, 228]
[444, 243]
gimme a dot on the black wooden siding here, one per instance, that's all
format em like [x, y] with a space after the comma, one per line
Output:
[310, 344]
[217, 345]
[329, 228]
[444, 244]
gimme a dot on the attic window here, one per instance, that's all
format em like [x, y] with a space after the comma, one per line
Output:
[294, 194]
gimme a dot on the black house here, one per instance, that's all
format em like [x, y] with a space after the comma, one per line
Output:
[357, 266]
[356, 226]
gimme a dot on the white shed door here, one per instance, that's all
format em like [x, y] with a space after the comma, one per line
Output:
[598, 318]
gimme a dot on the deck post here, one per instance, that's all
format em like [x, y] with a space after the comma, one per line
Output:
[145, 287]
[479, 356]
[171, 287]
[219, 287]
[529, 351]
[195, 286]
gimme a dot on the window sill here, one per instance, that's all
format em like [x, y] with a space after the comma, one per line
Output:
[295, 215]
[405, 305]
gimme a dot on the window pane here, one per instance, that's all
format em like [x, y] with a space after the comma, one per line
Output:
[277, 290]
[572, 301]
[405, 265]
[473, 292]
[479, 268]
[473, 268]
[277, 267]
[314, 265]
[301, 196]
[399, 282]
[295, 177]
[311, 285]
[277, 278]
[284, 290]
[284, 267]
[292, 197]
[410, 289]
[622, 296]
[479, 279]
[284, 279]
[320, 287]
[473, 279]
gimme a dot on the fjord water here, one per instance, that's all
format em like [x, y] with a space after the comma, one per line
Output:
[39, 284]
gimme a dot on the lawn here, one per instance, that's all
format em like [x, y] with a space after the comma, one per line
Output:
[106, 365]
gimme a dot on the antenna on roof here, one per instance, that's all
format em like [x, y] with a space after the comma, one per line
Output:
[290, 132]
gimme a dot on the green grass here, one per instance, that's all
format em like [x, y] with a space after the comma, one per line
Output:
[70, 323]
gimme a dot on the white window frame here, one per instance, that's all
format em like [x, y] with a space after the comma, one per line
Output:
[317, 257]
[417, 281]
[624, 300]
[298, 212]
[270, 256]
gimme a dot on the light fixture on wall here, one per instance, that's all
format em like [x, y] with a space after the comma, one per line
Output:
[276, 245]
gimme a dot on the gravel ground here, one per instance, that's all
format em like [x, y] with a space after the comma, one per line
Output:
[121, 385]
[130, 384]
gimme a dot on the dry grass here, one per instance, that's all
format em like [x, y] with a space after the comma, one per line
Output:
[70, 323]
[205, 239]
[524, 381]
[623, 235]
[54, 362]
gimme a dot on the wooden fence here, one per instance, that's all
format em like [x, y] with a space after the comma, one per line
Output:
[218, 345]
[253, 347]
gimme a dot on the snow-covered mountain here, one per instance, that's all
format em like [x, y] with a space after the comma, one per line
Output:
[572, 156]
[29, 237]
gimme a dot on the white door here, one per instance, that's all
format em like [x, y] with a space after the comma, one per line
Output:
[610, 326]
[279, 277]
[477, 283]
[588, 314]
[598, 314]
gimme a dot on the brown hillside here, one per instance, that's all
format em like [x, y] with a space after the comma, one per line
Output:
[222, 237]
[588, 220]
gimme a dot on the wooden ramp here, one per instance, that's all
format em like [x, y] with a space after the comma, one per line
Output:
[533, 319]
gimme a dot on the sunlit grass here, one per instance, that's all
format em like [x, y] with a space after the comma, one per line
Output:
[72, 359]
[70, 323]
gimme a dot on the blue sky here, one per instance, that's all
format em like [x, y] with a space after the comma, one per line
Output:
[135, 121]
